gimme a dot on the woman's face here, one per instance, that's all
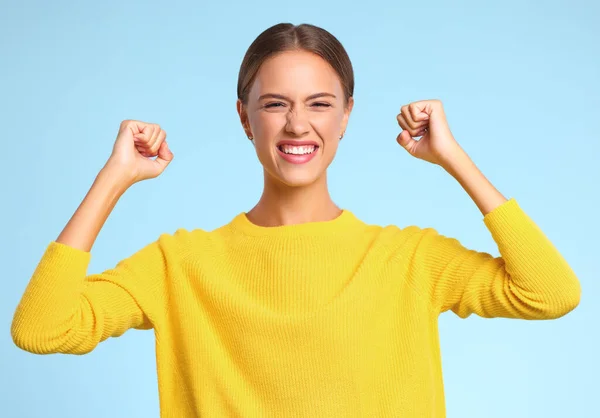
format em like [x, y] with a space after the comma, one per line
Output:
[296, 114]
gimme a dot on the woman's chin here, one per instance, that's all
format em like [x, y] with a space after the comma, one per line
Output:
[299, 178]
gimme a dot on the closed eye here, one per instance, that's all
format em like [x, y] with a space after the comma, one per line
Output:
[280, 104]
[275, 104]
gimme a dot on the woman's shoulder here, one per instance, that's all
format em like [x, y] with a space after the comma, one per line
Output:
[398, 236]
[397, 229]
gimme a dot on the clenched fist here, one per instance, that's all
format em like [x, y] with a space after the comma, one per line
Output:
[136, 145]
[427, 119]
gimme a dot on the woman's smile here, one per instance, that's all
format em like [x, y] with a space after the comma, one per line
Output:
[297, 152]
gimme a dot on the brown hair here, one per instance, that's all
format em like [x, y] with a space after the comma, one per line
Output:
[288, 37]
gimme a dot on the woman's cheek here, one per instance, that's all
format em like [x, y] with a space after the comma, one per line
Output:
[328, 131]
[329, 123]
[269, 124]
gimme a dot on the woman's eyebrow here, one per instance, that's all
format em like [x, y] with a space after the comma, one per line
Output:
[322, 94]
[282, 97]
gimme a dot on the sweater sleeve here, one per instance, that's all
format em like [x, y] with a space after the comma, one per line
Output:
[64, 310]
[529, 280]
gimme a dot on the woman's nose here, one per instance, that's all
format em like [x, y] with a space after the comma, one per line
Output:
[297, 122]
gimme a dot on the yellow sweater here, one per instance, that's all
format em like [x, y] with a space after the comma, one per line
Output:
[323, 319]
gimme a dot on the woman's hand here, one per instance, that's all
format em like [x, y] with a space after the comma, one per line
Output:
[136, 144]
[437, 145]
[426, 119]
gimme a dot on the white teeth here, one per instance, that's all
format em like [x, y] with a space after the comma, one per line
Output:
[297, 150]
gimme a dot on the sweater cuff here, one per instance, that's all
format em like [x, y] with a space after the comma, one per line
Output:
[508, 223]
[63, 262]
[66, 256]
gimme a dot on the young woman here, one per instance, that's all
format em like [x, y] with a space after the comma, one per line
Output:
[297, 307]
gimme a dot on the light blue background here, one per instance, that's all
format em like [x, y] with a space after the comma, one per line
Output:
[520, 81]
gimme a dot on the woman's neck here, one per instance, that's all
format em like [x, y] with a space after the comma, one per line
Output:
[283, 205]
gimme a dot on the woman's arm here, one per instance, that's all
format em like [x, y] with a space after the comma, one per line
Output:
[84, 226]
[484, 194]
[65, 310]
[530, 280]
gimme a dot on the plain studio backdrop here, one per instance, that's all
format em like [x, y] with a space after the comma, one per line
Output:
[520, 81]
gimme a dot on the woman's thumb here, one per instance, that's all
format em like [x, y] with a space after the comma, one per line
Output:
[165, 156]
[406, 141]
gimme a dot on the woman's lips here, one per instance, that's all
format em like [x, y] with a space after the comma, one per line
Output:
[297, 158]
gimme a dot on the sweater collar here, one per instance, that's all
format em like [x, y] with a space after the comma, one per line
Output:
[344, 223]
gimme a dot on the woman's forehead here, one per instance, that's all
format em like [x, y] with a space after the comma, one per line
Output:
[296, 73]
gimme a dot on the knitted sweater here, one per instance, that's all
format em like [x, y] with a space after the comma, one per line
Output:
[322, 319]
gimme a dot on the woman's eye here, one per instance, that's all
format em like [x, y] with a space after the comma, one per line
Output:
[280, 104]
[277, 104]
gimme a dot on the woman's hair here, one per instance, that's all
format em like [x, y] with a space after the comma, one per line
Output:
[288, 37]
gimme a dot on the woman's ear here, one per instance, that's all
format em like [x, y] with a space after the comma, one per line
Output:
[347, 111]
[243, 114]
